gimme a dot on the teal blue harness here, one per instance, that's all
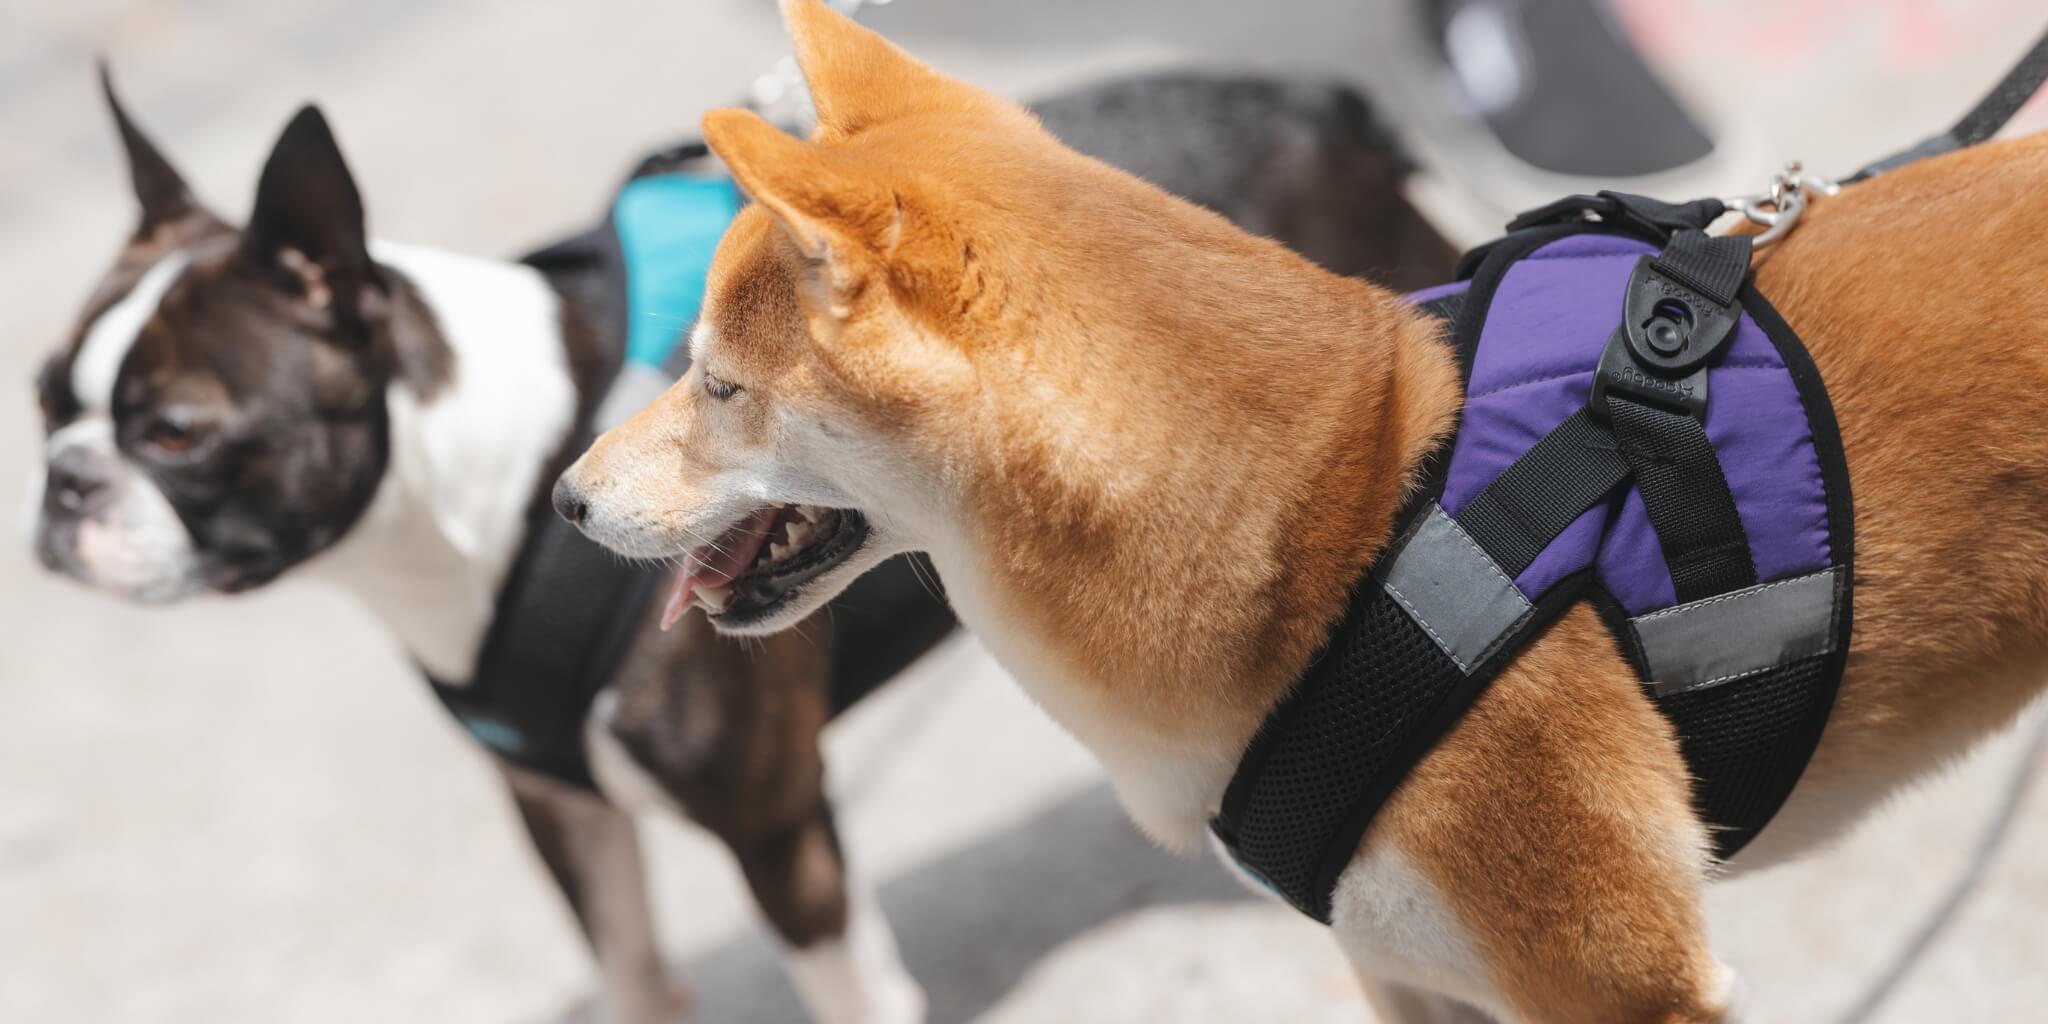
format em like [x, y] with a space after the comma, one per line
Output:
[669, 226]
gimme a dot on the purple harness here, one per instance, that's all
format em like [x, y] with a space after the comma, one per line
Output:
[1534, 367]
[1640, 431]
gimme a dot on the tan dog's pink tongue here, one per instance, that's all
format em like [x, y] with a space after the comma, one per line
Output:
[719, 562]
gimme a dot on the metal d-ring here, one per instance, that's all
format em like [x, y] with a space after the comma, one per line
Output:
[1778, 210]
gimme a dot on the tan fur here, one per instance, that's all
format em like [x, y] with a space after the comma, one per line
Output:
[1152, 454]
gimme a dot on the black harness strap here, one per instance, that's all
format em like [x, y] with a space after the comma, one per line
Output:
[1713, 265]
[566, 613]
[1684, 488]
[1687, 497]
[561, 628]
[1517, 515]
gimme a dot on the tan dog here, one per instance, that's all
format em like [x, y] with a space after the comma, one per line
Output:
[1150, 455]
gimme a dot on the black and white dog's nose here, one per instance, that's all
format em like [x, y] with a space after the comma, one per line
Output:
[78, 482]
[569, 503]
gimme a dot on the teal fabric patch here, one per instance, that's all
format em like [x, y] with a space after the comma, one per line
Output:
[494, 734]
[668, 225]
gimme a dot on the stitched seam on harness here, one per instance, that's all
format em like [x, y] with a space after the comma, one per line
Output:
[1736, 595]
[1548, 377]
[1494, 644]
[1492, 566]
[1416, 614]
[1481, 552]
[1827, 646]
[1505, 636]
[1716, 681]
[1539, 256]
[1545, 379]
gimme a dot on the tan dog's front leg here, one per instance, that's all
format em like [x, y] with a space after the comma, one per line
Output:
[1554, 826]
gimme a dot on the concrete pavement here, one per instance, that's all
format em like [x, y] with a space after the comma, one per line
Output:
[251, 811]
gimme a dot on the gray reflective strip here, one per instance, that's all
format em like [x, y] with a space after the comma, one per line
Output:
[1719, 639]
[634, 387]
[1453, 590]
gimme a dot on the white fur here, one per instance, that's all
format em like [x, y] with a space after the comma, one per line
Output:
[1386, 917]
[1731, 995]
[858, 978]
[603, 843]
[430, 552]
[1170, 789]
[702, 336]
[112, 335]
[1394, 925]
[137, 546]
[618, 775]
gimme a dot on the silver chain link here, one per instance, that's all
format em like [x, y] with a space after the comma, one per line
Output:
[1779, 208]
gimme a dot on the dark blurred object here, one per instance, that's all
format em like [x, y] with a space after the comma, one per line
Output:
[1563, 89]
[1301, 161]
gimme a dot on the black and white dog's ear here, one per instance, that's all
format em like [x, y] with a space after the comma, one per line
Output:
[308, 223]
[158, 187]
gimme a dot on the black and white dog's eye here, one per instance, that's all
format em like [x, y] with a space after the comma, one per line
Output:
[172, 435]
[719, 389]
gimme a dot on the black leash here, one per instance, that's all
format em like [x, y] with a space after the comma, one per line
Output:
[1983, 121]
[1986, 119]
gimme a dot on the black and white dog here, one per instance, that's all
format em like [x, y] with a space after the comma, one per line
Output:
[291, 397]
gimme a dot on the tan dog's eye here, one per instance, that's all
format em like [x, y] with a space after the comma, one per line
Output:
[720, 389]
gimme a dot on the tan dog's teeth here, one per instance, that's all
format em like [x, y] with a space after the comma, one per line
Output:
[808, 512]
[714, 599]
[778, 552]
[799, 533]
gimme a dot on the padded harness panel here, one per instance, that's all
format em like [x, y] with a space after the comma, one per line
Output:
[1727, 589]
[1534, 367]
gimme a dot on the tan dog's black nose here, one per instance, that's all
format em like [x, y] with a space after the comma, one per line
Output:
[569, 504]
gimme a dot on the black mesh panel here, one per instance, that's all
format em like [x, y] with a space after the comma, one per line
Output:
[1350, 729]
[1746, 743]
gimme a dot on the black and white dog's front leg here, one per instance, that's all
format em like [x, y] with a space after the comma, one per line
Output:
[777, 821]
[838, 949]
[592, 849]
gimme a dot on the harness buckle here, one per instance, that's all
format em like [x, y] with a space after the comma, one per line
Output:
[1658, 354]
[1620, 372]
[1671, 326]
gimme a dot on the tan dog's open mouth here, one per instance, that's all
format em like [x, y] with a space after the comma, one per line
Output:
[756, 566]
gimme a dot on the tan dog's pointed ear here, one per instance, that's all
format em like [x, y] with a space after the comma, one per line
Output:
[859, 79]
[843, 215]
[826, 199]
